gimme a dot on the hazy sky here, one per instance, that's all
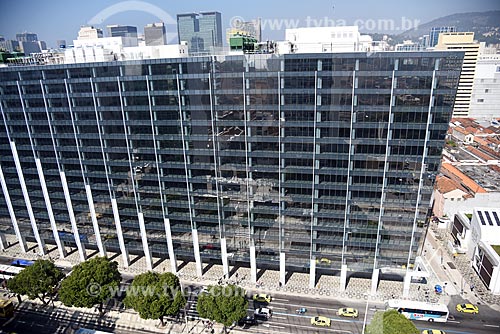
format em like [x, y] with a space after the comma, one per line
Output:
[61, 19]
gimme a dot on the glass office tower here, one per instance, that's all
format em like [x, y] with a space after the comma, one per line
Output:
[202, 31]
[299, 162]
[435, 31]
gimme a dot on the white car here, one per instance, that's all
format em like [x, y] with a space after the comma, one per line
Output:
[263, 312]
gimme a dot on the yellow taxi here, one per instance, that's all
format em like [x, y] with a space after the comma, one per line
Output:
[433, 331]
[262, 297]
[467, 308]
[348, 312]
[320, 321]
[323, 260]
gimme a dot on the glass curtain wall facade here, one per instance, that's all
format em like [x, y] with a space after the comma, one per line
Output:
[300, 162]
[202, 31]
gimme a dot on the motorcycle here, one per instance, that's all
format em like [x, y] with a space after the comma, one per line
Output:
[301, 310]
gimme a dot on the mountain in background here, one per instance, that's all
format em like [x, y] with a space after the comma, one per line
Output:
[485, 25]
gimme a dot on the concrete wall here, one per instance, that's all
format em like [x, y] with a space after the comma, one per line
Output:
[485, 99]
[486, 200]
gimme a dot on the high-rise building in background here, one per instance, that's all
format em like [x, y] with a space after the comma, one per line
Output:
[202, 31]
[10, 45]
[462, 41]
[61, 43]
[250, 28]
[121, 31]
[485, 97]
[314, 162]
[155, 34]
[89, 32]
[434, 34]
[28, 43]
[31, 47]
[27, 37]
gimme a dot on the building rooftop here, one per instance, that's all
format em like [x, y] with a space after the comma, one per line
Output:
[483, 176]
[466, 181]
[496, 248]
[444, 184]
[488, 217]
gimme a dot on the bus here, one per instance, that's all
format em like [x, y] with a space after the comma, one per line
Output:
[419, 310]
[10, 270]
[6, 308]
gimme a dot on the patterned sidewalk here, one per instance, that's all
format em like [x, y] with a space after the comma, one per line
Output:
[297, 283]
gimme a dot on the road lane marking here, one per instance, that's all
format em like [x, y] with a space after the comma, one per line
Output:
[268, 325]
[285, 300]
[276, 317]
[277, 308]
[309, 316]
[309, 307]
[496, 326]
[313, 328]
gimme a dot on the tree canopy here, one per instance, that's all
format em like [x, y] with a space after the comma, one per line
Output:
[223, 304]
[155, 295]
[91, 283]
[37, 281]
[390, 322]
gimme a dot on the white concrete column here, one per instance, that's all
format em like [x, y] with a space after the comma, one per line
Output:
[39, 240]
[253, 264]
[145, 246]
[48, 204]
[79, 244]
[3, 242]
[90, 200]
[282, 269]
[375, 275]
[197, 257]
[343, 277]
[119, 233]
[12, 214]
[170, 246]
[406, 284]
[312, 274]
[223, 250]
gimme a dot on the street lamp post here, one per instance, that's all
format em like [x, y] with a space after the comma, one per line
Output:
[366, 312]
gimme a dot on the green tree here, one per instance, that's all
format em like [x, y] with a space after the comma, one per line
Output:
[37, 281]
[155, 295]
[223, 304]
[390, 322]
[91, 283]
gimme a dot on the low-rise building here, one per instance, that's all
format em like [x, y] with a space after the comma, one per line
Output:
[328, 39]
[477, 232]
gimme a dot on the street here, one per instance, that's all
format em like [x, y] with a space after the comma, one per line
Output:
[284, 320]
[33, 318]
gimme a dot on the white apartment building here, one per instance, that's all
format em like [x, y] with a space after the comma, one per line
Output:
[485, 98]
[462, 41]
